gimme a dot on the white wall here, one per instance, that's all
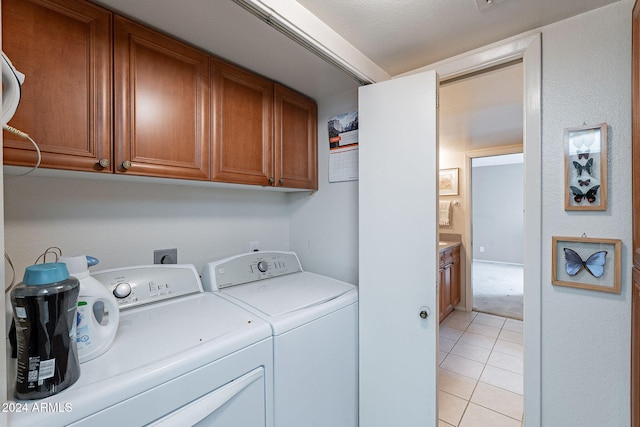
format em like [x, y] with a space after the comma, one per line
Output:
[498, 220]
[585, 334]
[121, 223]
[324, 226]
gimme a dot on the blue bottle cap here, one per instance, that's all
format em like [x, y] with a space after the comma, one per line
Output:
[45, 274]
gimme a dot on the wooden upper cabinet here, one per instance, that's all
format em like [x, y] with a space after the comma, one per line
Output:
[162, 105]
[296, 146]
[243, 126]
[64, 49]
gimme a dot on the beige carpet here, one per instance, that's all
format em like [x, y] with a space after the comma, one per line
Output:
[497, 289]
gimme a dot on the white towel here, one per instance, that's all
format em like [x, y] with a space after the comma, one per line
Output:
[445, 212]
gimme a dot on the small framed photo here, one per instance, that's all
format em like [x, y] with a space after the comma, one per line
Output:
[587, 263]
[585, 165]
[448, 183]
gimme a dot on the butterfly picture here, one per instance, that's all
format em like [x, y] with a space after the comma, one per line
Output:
[594, 264]
[588, 167]
[584, 182]
[583, 154]
[590, 195]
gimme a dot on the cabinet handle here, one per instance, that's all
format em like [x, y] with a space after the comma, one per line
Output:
[126, 165]
[281, 181]
[271, 180]
[105, 163]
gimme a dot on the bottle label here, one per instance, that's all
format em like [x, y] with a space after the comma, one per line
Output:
[21, 312]
[83, 340]
[47, 369]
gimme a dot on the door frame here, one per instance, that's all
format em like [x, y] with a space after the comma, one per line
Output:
[527, 47]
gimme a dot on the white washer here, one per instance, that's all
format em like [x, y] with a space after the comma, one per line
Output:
[315, 328]
[181, 357]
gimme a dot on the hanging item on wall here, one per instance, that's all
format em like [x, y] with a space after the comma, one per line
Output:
[585, 165]
[448, 182]
[343, 147]
[586, 263]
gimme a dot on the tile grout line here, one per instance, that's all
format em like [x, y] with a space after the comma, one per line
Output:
[485, 364]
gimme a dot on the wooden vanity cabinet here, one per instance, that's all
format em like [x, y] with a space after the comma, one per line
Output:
[449, 280]
[162, 105]
[635, 346]
[64, 49]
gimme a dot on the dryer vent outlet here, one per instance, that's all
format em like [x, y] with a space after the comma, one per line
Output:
[165, 256]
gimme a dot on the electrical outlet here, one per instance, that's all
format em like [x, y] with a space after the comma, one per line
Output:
[254, 246]
[481, 248]
[165, 256]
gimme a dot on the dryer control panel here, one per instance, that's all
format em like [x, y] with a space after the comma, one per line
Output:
[134, 286]
[249, 267]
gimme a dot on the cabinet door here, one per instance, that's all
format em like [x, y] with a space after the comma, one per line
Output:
[296, 147]
[64, 49]
[243, 123]
[162, 105]
[455, 277]
[442, 304]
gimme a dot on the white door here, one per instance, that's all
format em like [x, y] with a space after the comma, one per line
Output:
[398, 192]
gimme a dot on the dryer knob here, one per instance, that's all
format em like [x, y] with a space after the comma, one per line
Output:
[122, 290]
[263, 266]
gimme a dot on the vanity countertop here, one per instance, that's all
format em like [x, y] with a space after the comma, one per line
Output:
[443, 246]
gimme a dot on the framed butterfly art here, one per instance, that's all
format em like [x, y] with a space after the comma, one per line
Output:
[585, 155]
[587, 263]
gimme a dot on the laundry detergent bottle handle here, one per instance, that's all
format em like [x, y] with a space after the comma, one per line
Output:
[98, 313]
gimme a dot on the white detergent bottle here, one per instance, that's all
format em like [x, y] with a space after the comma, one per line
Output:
[98, 313]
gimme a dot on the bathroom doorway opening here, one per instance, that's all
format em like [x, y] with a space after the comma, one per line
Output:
[497, 199]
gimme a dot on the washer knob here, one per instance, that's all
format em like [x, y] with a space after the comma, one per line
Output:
[122, 290]
[263, 266]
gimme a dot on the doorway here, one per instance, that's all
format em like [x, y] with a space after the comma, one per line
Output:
[528, 48]
[481, 371]
[497, 235]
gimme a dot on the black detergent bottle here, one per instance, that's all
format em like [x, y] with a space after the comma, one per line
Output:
[44, 310]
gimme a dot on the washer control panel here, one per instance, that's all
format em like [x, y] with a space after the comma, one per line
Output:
[248, 267]
[134, 286]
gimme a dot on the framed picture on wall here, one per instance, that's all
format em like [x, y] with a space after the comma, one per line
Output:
[585, 165]
[587, 263]
[448, 182]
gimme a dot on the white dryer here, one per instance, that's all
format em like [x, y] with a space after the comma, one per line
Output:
[181, 357]
[314, 320]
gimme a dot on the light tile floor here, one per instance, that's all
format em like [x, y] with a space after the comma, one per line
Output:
[480, 374]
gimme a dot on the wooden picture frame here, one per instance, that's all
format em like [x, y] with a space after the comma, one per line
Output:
[585, 165]
[448, 182]
[587, 263]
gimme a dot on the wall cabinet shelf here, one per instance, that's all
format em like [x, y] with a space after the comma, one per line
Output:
[179, 113]
[449, 280]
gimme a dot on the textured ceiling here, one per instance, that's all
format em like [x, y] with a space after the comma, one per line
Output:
[402, 35]
[397, 35]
